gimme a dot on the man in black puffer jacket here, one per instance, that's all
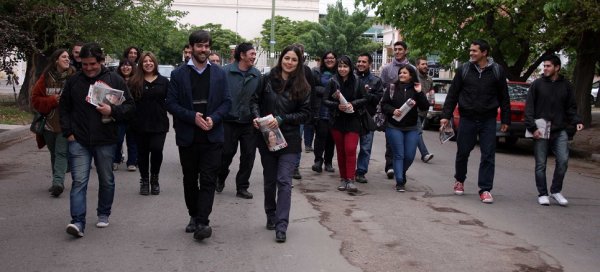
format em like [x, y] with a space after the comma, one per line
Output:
[91, 132]
[479, 93]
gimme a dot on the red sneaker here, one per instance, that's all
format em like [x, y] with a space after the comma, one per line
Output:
[486, 197]
[459, 188]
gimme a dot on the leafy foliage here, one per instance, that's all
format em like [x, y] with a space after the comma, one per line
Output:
[286, 32]
[340, 32]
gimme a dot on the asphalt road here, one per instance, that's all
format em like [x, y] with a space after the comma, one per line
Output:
[377, 229]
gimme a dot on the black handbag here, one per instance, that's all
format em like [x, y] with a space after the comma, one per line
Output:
[38, 124]
[367, 123]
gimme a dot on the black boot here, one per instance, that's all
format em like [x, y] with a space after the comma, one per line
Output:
[144, 186]
[155, 188]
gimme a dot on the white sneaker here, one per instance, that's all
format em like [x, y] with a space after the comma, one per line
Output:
[102, 221]
[427, 158]
[544, 200]
[560, 199]
[390, 173]
[131, 168]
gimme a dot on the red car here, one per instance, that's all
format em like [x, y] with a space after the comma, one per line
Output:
[517, 91]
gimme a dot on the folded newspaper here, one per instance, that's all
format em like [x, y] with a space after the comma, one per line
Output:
[344, 101]
[273, 137]
[406, 107]
[446, 132]
[543, 127]
[100, 92]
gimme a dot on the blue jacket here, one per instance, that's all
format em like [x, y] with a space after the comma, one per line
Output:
[179, 103]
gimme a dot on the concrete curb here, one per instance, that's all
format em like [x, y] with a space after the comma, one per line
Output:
[16, 134]
[584, 154]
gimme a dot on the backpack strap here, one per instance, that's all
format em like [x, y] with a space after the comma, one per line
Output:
[495, 69]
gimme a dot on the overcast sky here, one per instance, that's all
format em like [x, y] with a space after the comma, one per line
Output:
[349, 4]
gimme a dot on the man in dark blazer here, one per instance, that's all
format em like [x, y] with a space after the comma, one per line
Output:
[198, 97]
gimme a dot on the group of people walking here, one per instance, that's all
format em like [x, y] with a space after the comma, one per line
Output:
[216, 108]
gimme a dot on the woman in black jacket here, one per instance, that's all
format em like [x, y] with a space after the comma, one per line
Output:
[285, 94]
[403, 135]
[149, 90]
[324, 144]
[345, 119]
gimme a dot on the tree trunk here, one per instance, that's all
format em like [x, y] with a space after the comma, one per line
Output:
[587, 55]
[35, 66]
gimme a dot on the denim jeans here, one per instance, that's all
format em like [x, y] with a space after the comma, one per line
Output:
[57, 145]
[558, 144]
[421, 144]
[80, 158]
[299, 155]
[309, 134]
[126, 134]
[404, 147]
[468, 131]
[364, 155]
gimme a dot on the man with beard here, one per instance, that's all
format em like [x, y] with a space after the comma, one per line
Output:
[75, 59]
[426, 84]
[186, 53]
[243, 79]
[198, 98]
[552, 99]
[374, 89]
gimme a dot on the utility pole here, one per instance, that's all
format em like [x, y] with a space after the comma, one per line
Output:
[272, 41]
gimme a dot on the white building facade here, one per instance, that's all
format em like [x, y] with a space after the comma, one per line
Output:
[245, 17]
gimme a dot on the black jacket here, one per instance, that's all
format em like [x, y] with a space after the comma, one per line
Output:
[402, 93]
[552, 100]
[358, 98]
[375, 90]
[266, 100]
[150, 109]
[479, 95]
[81, 119]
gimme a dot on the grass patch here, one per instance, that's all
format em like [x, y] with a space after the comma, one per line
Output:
[10, 114]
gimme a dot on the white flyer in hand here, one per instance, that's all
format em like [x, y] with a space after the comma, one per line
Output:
[344, 101]
[408, 105]
[446, 132]
[273, 137]
[543, 127]
[100, 92]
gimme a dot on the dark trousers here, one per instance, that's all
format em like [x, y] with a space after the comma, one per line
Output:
[200, 161]
[277, 174]
[389, 156]
[246, 135]
[150, 152]
[125, 130]
[324, 144]
[468, 132]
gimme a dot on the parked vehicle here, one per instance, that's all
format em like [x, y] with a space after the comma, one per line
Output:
[165, 70]
[436, 97]
[517, 92]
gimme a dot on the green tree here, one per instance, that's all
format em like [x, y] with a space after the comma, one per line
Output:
[521, 32]
[221, 38]
[340, 32]
[38, 27]
[286, 32]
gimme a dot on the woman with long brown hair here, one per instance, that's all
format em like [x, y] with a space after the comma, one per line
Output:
[45, 97]
[126, 70]
[149, 90]
[285, 94]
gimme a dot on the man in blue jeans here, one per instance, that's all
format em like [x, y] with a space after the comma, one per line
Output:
[551, 99]
[91, 132]
[374, 89]
[482, 90]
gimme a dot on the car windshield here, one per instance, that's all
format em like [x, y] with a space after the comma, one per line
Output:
[441, 85]
[165, 70]
[518, 92]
